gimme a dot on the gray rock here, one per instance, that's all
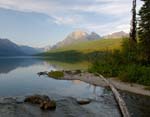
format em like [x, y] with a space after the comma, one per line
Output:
[43, 100]
[83, 101]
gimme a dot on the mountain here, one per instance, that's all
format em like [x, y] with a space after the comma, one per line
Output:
[117, 35]
[93, 36]
[47, 48]
[77, 36]
[30, 50]
[8, 48]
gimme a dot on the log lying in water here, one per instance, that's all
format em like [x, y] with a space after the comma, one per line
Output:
[120, 101]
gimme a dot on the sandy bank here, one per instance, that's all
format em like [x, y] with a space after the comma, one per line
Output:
[97, 81]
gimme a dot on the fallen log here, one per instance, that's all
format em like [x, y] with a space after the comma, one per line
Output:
[120, 101]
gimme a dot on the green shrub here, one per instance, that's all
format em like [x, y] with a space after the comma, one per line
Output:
[108, 70]
[56, 74]
[136, 73]
[126, 64]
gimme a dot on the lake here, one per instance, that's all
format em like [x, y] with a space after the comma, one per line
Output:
[18, 78]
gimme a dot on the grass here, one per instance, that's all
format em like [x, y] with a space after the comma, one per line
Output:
[56, 74]
[91, 46]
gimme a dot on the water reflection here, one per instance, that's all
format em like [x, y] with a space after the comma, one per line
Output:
[9, 64]
[18, 76]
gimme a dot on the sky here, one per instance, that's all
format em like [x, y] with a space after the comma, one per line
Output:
[40, 23]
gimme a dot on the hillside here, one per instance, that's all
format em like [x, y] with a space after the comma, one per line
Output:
[91, 46]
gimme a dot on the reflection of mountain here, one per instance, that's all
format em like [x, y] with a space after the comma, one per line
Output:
[69, 66]
[7, 64]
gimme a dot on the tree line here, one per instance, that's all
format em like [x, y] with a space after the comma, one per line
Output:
[140, 29]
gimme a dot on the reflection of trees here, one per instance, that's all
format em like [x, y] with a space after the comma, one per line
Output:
[9, 64]
[107, 90]
[67, 65]
[94, 90]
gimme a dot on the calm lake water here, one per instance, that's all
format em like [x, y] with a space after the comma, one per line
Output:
[18, 77]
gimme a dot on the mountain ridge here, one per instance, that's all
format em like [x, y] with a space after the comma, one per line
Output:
[79, 36]
[9, 48]
[117, 35]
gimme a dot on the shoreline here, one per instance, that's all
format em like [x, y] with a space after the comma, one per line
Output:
[97, 81]
[130, 87]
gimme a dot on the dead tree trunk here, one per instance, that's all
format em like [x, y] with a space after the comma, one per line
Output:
[120, 101]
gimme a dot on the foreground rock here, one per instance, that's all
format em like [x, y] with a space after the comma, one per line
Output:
[44, 102]
[66, 107]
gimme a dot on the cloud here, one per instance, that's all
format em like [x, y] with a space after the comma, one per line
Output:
[64, 20]
[115, 8]
[78, 12]
[110, 27]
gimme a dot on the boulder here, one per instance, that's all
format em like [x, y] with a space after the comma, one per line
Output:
[44, 101]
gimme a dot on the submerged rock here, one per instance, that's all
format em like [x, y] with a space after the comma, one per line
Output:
[83, 101]
[42, 73]
[44, 101]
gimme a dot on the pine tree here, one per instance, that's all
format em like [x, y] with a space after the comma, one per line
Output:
[144, 29]
[133, 31]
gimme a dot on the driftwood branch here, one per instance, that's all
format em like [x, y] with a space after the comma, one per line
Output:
[120, 101]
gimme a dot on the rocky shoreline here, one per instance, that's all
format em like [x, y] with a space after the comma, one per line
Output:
[66, 107]
[97, 81]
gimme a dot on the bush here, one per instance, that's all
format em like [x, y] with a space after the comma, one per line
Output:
[136, 73]
[108, 65]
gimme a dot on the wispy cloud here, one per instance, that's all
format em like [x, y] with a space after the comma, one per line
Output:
[77, 13]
